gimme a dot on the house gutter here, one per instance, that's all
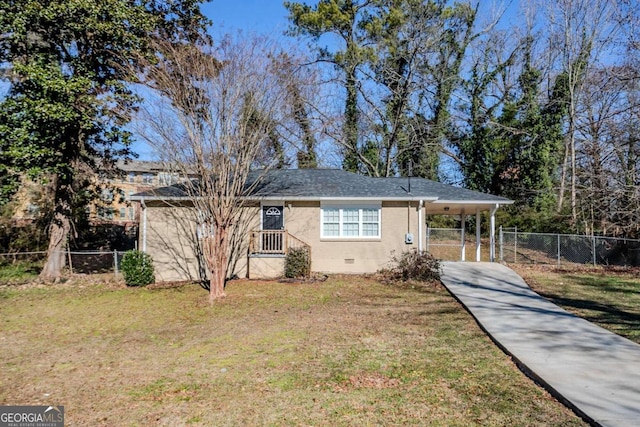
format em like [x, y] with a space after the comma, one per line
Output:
[297, 198]
[345, 199]
[488, 203]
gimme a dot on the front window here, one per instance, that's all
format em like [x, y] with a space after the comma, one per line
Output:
[331, 222]
[371, 222]
[351, 221]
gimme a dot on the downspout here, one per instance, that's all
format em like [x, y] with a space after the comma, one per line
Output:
[144, 224]
[420, 225]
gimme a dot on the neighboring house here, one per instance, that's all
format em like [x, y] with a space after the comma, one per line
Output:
[135, 176]
[114, 204]
[351, 223]
[25, 206]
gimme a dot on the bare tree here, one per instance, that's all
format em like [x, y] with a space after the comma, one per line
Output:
[578, 31]
[609, 152]
[209, 114]
[303, 100]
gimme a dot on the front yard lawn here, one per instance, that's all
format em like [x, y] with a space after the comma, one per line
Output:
[344, 352]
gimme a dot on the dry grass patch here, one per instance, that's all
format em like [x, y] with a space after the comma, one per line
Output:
[347, 351]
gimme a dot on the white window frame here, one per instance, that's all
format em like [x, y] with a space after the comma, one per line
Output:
[341, 207]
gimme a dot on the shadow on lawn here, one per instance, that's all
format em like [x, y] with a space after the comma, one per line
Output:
[620, 321]
[607, 284]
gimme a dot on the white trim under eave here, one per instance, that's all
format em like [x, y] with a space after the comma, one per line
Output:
[488, 203]
[345, 199]
[301, 199]
[159, 198]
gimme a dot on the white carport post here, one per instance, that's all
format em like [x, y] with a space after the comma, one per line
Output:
[144, 224]
[420, 236]
[463, 243]
[492, 233]
[478, 235]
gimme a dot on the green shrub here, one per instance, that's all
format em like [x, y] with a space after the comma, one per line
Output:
[297, 264]
[137, 268]
[412, 265]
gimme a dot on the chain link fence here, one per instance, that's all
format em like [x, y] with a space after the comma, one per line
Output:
[77, 262]
[565, 249]
[446, 244]
[516, 247]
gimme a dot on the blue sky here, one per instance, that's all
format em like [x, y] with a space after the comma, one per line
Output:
[264, 17]
[270, 16]
[261, 16]
[229, 16]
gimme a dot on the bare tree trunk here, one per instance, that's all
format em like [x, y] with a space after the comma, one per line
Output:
[58, 232]
[579, 29]
[59, 229]
[563, 178]
[569, 162]
[574, 171]
[216, 249]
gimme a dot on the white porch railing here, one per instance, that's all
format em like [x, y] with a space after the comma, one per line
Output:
[274, 242]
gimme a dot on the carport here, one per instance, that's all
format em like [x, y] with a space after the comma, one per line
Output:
[456, 201]
[465, 210]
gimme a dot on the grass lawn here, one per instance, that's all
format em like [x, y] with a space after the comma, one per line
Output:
[608, 298]
[20, 272]
[345, 352]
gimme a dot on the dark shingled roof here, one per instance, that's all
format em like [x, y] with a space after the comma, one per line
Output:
[316, 184]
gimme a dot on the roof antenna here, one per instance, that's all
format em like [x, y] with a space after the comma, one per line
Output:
[410, 172]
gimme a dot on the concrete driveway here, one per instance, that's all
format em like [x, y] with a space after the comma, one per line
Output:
[593, 371]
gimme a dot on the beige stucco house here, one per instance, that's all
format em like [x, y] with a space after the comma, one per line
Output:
[351, 223]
